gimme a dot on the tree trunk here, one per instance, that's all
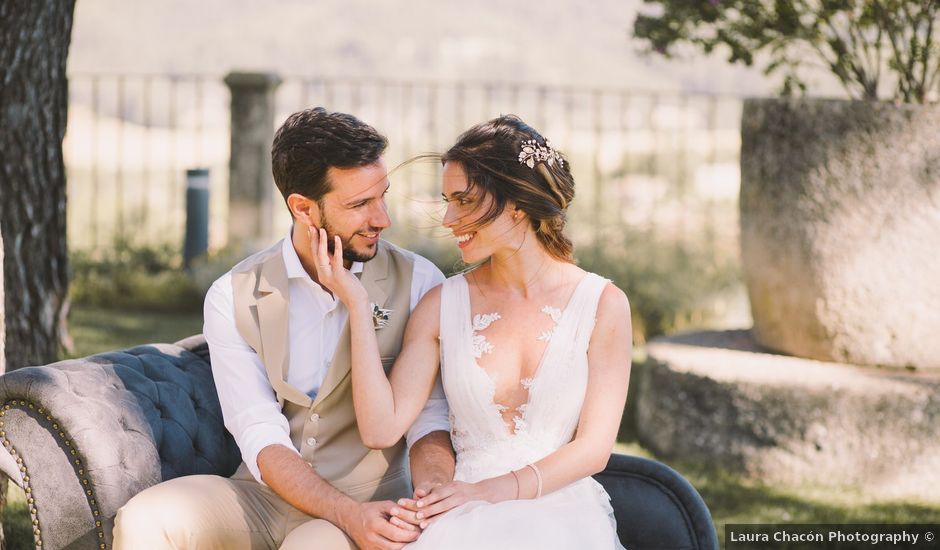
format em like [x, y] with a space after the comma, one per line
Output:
[34, 43]
[4, 482]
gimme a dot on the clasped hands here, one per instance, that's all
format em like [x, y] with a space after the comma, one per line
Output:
[432, 500]
[389, 525]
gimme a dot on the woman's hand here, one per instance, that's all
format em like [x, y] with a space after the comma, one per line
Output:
[331, 272]
[445, 498]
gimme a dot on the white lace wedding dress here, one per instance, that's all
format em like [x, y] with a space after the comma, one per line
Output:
[576, 516]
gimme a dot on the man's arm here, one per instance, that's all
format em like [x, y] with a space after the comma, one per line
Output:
[432, 461]
[298, 484]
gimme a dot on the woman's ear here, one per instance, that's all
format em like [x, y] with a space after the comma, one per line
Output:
[304, 210]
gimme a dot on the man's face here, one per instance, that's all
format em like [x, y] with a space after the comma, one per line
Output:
[355, 209]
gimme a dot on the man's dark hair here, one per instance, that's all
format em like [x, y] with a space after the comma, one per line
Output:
[311, 141]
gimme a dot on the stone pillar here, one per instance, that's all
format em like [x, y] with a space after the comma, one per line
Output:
[251, 187]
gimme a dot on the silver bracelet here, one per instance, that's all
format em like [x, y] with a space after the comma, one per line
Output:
[538, 476]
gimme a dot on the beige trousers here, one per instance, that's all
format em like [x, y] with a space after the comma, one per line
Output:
[208, 512]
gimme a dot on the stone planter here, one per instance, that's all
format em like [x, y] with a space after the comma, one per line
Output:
[840, 229]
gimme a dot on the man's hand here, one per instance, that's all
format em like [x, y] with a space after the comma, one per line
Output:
[369, 525]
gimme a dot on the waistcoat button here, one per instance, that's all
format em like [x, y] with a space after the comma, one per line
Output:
[311, 442]
[314, 417]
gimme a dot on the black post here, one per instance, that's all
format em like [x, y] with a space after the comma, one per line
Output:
[196, 241]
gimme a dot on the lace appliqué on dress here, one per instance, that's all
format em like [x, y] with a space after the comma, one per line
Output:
[478, 341]
[555, 314]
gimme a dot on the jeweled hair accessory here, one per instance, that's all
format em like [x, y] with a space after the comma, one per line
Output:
[532, 152]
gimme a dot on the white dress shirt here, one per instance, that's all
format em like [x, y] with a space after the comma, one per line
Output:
[249, 405]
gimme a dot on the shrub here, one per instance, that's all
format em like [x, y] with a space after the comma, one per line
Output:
[672, 286]
[134, 276]
[853, 39]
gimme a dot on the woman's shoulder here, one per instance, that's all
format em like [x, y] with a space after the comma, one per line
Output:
[613, 305]
[612, 300]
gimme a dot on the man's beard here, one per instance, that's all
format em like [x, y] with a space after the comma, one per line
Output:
[349, 254]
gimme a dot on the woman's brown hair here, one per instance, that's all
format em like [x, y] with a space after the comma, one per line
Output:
[492, 155]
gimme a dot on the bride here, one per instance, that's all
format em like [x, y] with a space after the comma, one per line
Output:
[534, 355]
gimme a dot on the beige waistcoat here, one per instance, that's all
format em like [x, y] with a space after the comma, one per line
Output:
[324, 429]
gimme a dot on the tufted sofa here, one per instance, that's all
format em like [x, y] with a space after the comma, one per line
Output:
[83, 436]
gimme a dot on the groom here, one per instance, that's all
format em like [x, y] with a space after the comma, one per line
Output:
[280, 349]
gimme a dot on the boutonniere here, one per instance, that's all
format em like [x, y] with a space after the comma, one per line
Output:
[380, 316]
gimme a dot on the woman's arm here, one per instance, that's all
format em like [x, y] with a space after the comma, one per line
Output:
[609, 358]
[385, 407]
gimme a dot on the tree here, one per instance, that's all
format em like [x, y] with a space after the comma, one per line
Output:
[857, 41]
[34, 43]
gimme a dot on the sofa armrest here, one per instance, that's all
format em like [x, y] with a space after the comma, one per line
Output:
[655, 507]
[88, 434]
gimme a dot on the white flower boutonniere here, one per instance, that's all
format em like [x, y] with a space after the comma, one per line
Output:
[380, 316]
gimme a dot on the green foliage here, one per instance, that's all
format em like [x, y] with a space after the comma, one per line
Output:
[852, 39]
[134, 276]
[16, 520]
[671, 285]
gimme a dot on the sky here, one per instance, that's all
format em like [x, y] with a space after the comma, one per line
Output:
[557, 42]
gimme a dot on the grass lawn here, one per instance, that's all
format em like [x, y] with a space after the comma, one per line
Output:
[730, 498]
[97, 330]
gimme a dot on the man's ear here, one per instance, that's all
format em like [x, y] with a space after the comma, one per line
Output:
[304, 209]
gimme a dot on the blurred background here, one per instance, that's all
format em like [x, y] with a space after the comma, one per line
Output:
[654, 143]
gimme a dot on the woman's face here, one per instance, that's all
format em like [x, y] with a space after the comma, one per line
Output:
[466, 205]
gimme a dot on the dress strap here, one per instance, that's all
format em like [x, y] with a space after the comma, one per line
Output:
[455, 309]
[584, 307]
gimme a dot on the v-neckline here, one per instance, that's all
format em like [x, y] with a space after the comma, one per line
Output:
[523, 408]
